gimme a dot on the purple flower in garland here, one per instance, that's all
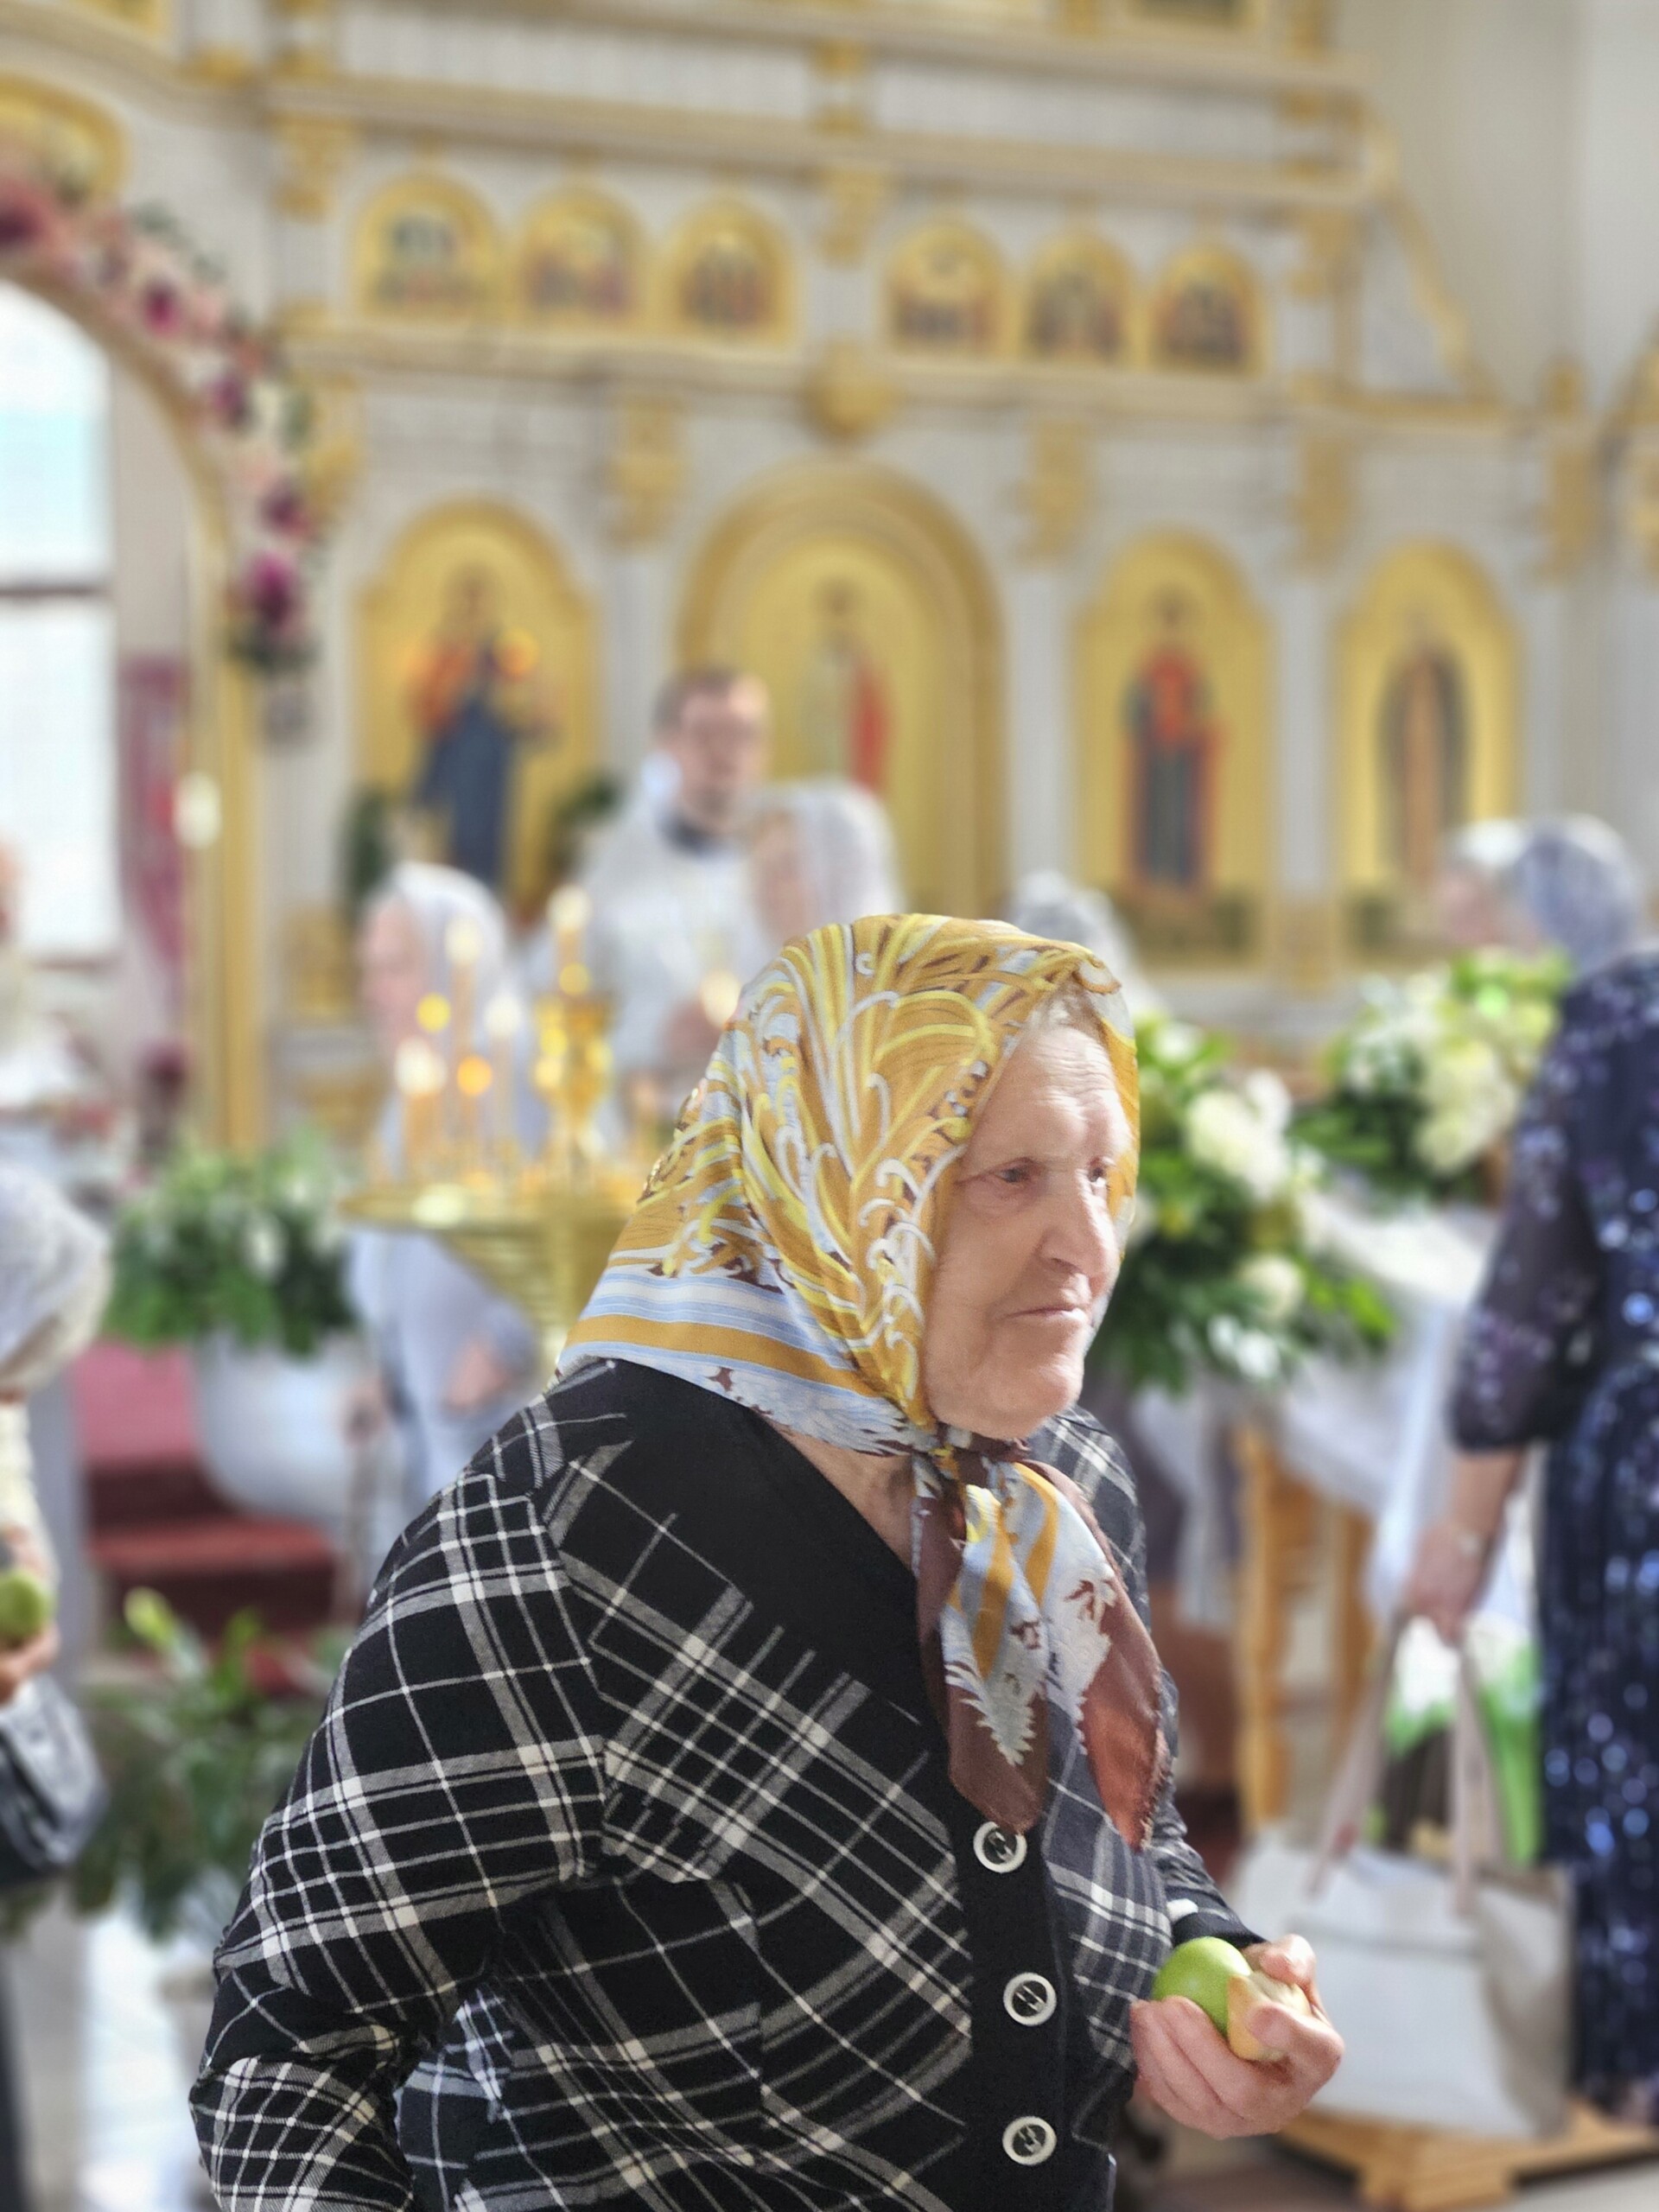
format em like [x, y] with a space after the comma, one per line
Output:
[271, 592]
[228, 400]
[162, 307]
[28, 217]
[284, 509]
[20, 225]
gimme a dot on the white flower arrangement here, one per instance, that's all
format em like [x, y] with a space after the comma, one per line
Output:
[1223, 1272]
[1427, 1082]
[250, 1244]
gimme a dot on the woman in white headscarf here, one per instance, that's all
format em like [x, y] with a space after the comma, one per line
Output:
[1048, 903]
[454, 1359]
[1570, 884]
[54, 1277]
[819, 852]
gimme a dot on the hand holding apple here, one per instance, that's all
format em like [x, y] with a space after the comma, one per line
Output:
[1186, 2065]
[29, 1635]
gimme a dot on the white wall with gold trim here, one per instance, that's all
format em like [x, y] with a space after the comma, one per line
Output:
[793, 248]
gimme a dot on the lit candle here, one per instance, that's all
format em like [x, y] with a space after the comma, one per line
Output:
[463, 948]
[504, 1018]
[569, 912]
[418, 1073]
[475, 1078]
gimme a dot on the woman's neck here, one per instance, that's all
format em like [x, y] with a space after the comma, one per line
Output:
[877, 1485]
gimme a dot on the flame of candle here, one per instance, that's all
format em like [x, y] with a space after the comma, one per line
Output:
[433, 1013]
[575, 980]
[474, 1076]
[503, 1018]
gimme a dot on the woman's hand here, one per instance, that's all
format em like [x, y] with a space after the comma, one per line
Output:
[1447, 1577]
[1188, 2071]
[21, 1661]
[479, 1375]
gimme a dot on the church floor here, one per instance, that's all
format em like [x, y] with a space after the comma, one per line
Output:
[102, 2017]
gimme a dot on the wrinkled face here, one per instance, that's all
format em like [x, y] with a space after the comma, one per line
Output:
[1029, 1252]
[777, 872]
[719, 746]
[390, 974]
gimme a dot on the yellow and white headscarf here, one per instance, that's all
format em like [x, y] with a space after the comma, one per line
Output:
[782, 1255]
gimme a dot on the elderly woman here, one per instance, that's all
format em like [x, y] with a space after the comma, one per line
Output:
[1570, 884]
[819, 852]
[750, 1784]
[54, 1278]
[1562, 1349]
[454, 1359]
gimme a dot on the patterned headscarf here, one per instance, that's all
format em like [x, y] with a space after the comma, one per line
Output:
[782, 1255]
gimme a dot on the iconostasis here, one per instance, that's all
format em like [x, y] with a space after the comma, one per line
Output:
[1059, 406]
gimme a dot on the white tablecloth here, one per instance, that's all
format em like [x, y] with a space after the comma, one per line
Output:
[1372, 1436]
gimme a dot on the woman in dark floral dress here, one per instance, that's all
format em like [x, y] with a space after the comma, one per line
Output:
[1564, 1347]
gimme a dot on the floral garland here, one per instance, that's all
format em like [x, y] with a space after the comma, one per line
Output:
[155, 296]
[1426, 1081]
[1224, 1275]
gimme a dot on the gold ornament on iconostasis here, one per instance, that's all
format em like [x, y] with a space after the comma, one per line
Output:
[1173, 750]
[78, 146]
[153, 18]
[1199, 14]
[947, 293]
[727, 276]
[866, 612]
[427, 252]
[1206, 315]
[479, 697]
[1428, 687]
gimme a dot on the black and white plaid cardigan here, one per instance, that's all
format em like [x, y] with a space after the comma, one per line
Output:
[627, 1834]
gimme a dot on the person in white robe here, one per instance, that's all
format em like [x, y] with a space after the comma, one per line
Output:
[672, 912]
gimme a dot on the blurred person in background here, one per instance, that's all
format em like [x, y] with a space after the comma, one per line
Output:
[1562, 1349]
[54, 1278]
[1572, 885]
[454, 1358]
[671, 903]
[1048, 903]
[819, 852]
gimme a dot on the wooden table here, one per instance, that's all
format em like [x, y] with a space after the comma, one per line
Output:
[1289, 1534]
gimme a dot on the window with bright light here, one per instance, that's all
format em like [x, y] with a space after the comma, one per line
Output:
[57, 691]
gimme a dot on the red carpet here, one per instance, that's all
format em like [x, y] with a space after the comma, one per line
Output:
[155, 1519]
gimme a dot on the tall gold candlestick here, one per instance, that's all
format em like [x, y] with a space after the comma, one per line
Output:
[502, 1022]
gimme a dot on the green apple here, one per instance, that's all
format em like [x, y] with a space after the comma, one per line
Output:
[26, 1606]
[1202, 1970]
